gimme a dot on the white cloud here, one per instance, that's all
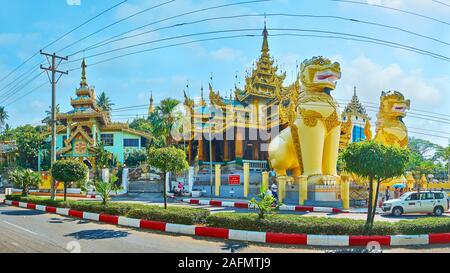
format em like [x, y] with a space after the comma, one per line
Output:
[226, 54]
[73, 2]
[9, 38]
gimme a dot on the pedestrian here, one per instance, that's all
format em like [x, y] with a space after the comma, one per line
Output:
[386, 194]
[274, 189]
[401, 191]
[396, 193]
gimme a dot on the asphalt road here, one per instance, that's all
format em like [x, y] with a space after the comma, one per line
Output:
[23, 230]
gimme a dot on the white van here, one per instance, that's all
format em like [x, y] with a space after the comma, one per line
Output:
[414, 202]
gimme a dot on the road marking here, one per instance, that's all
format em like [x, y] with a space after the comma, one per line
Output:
[19, 227]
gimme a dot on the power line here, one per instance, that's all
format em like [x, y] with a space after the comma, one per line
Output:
[391, 8]
[64, 35]
[26, 94]
[442, 3]
[21, 87]
[111, 40]
[168, 18]
[116, 22]
[377, 41]
[174, 17]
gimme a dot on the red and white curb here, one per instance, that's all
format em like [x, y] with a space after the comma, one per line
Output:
[218, 203]
[244, 235]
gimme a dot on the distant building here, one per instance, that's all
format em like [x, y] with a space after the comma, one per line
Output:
[355, 112]
[86, 125]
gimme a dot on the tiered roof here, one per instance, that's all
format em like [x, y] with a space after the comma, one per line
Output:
[264, 81]
[355, 108]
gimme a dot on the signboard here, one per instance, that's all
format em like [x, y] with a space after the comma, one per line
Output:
[234, 179]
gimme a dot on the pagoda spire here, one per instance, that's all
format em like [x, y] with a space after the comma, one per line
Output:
[202, 99]
[83, 82]
[265, 46]
[150, 108]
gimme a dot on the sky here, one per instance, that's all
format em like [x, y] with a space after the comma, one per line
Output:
[27, 26]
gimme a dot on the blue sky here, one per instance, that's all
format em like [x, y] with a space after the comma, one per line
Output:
[26, 26]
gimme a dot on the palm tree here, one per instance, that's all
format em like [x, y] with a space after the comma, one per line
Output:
[3, 116]
[104, 102]
[48, 115]
[163, 117]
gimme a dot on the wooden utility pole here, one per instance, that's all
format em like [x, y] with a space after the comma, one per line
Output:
[53, 68]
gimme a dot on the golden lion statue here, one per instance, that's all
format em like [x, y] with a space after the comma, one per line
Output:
[390, 127]
[310, 145]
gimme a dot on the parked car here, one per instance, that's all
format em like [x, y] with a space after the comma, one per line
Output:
[436, 202]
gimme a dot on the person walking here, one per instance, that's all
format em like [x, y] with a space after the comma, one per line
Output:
[387, 194]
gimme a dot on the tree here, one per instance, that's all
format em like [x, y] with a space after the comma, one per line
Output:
[102, 158]
[48, 115]
[377, 163]
[135, 157]
[28, 140]
[163, 118]
[68, 171]
[169, 159]
[3, 116]
[24, 179]
[104, 102]
[157, 140]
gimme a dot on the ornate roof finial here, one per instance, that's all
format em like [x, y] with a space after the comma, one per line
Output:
[265, 33]
[150, 108]
[202, 99]
[354, 91]
[83, 82]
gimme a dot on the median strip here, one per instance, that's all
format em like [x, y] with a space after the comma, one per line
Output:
[245, 235]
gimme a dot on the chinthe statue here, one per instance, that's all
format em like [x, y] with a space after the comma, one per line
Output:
[310, 145]
[390, 127]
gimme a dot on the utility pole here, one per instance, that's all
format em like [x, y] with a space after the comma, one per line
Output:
[53, 68]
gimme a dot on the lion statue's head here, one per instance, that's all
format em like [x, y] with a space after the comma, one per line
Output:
[393, 104]
[319, 74]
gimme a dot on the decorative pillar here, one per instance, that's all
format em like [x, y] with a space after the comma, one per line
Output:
[246, 179]
[345, 191]
[265, 180]
[191, 174]
[226, 156]
[125, 180]
[239, 142]
[200, 150]
[302, 189]
[218, 175]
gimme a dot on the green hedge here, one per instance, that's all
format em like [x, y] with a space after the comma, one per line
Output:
[176, 215]
[286, 223]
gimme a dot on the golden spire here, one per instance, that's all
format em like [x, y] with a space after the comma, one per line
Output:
[150, 108]
[83, 82]
[202, 100]
[265, 46]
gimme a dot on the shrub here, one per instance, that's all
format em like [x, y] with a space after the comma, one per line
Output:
[68, 171]
[24, 179]
[176, 215]
[264, 204]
